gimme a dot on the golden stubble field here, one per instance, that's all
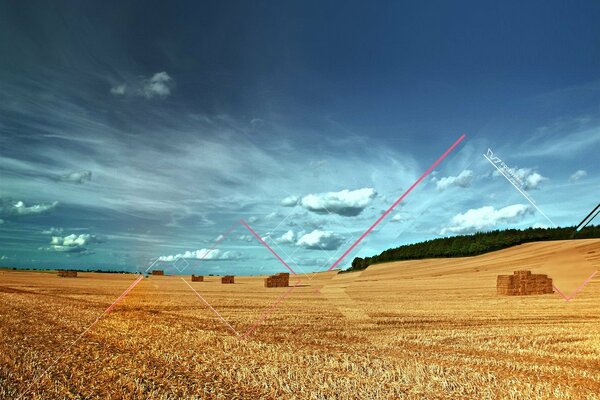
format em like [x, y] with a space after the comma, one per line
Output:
[430, 329]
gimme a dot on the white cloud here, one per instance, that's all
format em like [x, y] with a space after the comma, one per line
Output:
[204, 254]
[463, 180]
[318, 239]
[578, 175]
[288, 237]
[158, 85]
[119, 90]
[346, 202]
[72, 243]
[10, 207]
[256, 122]
[219, 238]
[398, 217]
[272, 215]
[1, 221]
[290, 201]
[530, 179]
[53, 231]
[77, 177]
[245, 238]
[485, 218]
[252, 219]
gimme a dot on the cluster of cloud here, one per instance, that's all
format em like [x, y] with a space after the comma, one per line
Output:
[485, 218]
[204, 254]
[348, 203]
[316, 240]
[12, 208]
[159, 85]
[246, 238]
[72, 243]
[462, 180]
[579, 174]
[77, 177]
[529, 178]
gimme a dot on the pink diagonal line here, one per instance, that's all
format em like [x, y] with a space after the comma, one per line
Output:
[82, 334]
[561, 293]
[427, 172]
[267, 246]
[389, 210]
[579, 289]
[212, 308]
[267, 313]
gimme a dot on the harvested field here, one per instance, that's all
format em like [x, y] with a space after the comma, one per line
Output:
[427, 329]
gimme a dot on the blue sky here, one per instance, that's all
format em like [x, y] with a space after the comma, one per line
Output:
[146, 130]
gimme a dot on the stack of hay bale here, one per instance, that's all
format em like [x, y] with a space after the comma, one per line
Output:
[227, 279]
[523, 283]
[67, 274]
[505, 285]
[199, 278]
[158, 272]
[281, 279]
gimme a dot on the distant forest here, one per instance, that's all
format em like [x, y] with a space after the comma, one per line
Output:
[472, 245]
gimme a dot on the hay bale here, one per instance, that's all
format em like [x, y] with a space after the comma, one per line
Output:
[281, 279]
[67, 274]
[523, 283]
[227, 279]
[158, 272]
[197, 278]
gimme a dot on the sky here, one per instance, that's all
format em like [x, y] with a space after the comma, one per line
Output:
[138, 134]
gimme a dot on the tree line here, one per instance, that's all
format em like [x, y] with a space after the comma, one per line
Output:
[472, 245]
